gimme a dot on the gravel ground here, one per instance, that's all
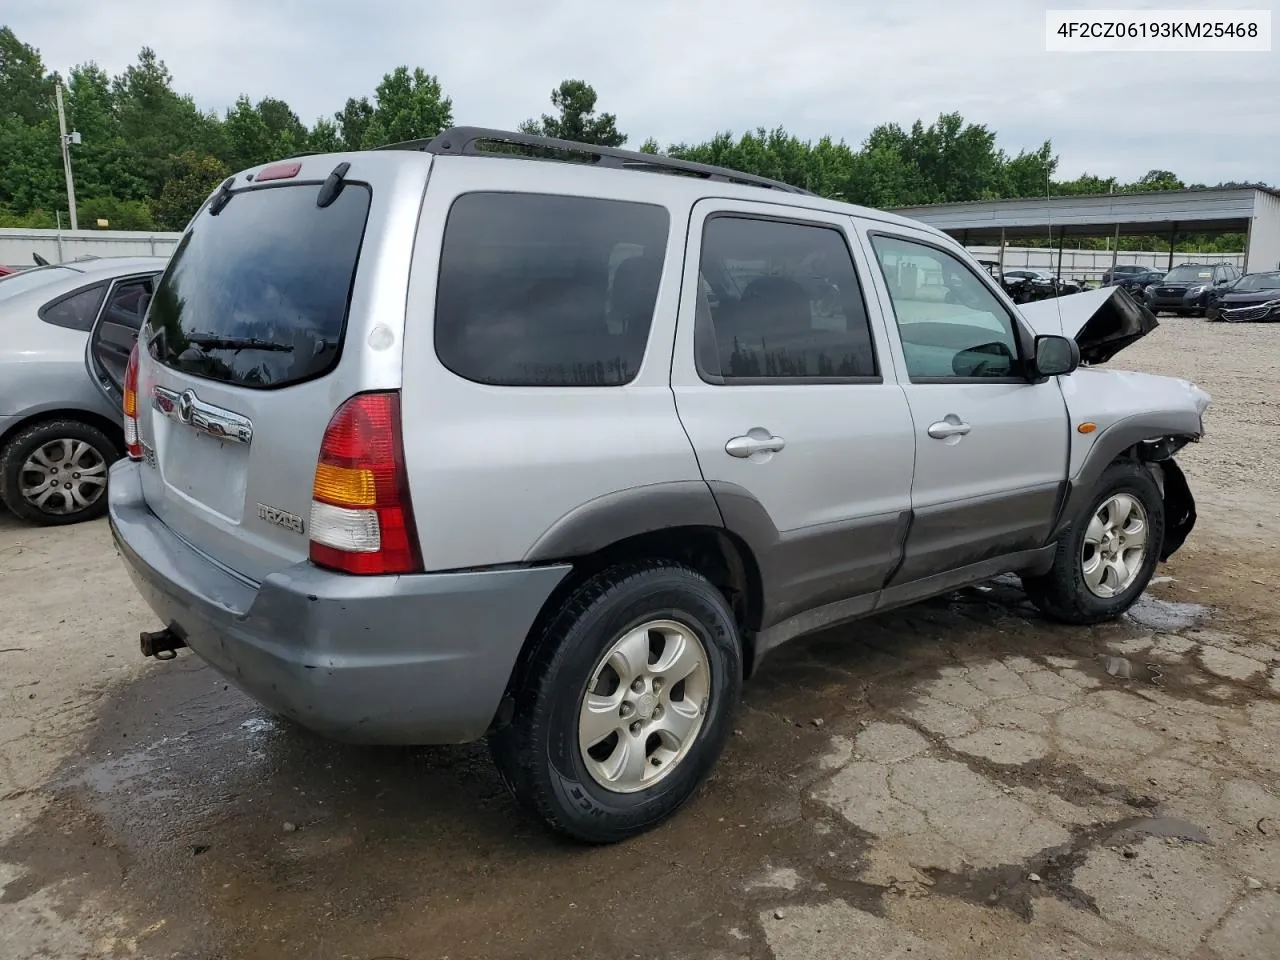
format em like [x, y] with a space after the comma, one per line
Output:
[955, 780]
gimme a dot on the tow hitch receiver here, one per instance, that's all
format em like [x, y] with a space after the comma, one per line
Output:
[161, 644]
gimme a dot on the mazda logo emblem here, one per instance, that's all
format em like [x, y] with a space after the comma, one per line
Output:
[186, 404]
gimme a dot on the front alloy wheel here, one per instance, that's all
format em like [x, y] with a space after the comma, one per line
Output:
[1115, 545]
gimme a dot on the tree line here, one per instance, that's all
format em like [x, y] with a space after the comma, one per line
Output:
[149, 155]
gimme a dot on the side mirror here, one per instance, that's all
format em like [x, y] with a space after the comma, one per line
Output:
[1056, 356]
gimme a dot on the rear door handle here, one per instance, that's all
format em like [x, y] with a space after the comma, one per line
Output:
[951, 427]
[757, 440]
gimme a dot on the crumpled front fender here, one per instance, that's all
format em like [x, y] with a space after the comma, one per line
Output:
[1179, 508]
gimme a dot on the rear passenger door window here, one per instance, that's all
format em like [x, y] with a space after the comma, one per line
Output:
[117, 329]
[950, 323]
[548, 291]
[784, 304]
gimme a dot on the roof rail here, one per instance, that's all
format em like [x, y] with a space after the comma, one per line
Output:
[464, 141]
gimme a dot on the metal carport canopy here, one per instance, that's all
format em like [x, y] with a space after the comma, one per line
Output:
[1252, 211]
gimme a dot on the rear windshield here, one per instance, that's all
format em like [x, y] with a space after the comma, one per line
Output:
[258, 295]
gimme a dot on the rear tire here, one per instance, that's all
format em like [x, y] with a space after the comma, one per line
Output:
[578, 720]
[55, 473]
[1097, 573]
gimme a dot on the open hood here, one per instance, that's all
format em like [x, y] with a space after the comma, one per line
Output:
[1103, 321]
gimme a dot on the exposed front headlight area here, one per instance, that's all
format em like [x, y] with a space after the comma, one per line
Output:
[1196, 291]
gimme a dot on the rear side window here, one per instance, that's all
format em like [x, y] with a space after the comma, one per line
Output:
[258, 295]
[75, 311]
[548, 291]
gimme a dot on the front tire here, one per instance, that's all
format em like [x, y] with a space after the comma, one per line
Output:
[55, 473]
[625, 704]
[1107, 557]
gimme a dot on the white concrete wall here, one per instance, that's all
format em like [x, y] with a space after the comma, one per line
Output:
[1090, 264]
[58, 246]
[1264, 235]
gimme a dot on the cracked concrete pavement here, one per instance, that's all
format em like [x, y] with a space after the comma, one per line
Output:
[959, 780]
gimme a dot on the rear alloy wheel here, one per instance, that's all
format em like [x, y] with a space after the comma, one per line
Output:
[624, 705]
[1106, 558]
[56, 473]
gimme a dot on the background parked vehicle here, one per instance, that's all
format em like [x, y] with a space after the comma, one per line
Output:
[1185, 289]
[1254, 297]
[1114, 275]
[59, 430]
[7, 271]
[1039, 284]
[1138, 281]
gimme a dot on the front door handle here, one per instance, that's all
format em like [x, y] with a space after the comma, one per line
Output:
[953, 426]
[757, 440]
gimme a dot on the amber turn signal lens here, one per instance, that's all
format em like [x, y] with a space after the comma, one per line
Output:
[1087, 427]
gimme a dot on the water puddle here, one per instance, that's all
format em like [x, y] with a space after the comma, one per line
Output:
[1166, 616]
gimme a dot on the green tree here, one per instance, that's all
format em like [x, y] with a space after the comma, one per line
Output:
[103, 162]
[324, 137]
[248, 139]
[119, 214]
[1157, 180]
[190, 178]
[157, 122]
[407, 106]
[576, 118]
[353, 120]
[26, 91]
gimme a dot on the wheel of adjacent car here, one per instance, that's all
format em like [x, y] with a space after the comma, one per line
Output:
[55, 472]
[1107, 557]
[625, 704]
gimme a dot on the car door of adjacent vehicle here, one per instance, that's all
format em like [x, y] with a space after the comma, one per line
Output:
[991, 446]
[115, 331]
[782, 382]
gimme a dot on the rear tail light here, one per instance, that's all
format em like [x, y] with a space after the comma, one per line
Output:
[132, 444]
[361, 518]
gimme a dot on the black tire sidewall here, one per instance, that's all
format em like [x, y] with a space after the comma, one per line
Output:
[19, 447]
[1123, 478]
[587, 809]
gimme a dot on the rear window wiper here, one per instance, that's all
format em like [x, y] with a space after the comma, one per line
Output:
[210, 341]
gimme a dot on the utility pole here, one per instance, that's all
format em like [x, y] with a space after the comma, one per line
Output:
[67, 139]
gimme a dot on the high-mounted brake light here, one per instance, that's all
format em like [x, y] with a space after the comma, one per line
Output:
[132, 444]
[361, 518]
[278, 171]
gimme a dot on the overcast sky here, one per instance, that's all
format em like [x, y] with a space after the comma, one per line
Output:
[679, 70]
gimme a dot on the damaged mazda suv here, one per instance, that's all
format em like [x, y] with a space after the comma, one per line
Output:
[449, 440]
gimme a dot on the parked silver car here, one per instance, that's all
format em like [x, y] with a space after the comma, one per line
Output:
[60, 427]
[433, 442]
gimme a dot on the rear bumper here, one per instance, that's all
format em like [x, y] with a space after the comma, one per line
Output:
[394, 660]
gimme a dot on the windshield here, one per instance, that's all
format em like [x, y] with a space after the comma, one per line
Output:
[257, 295]
[1188, 274]
[1258, 281]
[33, 279]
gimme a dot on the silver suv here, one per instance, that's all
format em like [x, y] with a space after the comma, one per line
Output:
[442, 441]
